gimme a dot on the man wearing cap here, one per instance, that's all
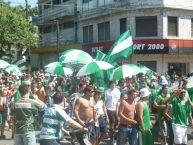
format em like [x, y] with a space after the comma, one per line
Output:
[23, 109]
[143, 117]
[101, 114]
[127, 124]
[86, 115]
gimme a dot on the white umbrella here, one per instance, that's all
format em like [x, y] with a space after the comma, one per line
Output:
[94, 67]
[3, 64]
[13, 69]
[58, 69]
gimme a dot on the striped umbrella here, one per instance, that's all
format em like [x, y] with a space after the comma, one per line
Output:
[94, 67]
[58, 69]
[126, 70]
[13, 69]
[75, 56]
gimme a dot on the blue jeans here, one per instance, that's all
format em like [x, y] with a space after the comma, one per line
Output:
[25, 139]
[125, 133]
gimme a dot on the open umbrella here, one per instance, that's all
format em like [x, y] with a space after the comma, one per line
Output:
[3, 64]
[75, 56]
[126, 70]
[13, 69]
[58, 69]
[94, 67]
[146, 70]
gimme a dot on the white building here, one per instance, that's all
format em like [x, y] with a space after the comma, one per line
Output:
[162, 30]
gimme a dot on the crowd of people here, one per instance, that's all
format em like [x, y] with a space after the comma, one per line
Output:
[91, 113]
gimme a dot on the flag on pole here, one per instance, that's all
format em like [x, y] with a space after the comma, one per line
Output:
[123, 47]
[100, 55]
[21, 63]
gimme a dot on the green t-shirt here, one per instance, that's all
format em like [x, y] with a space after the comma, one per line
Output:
[161, 100]
[181, 111]
[24, 110]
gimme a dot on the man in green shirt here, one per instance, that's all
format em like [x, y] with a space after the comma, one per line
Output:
[180, 114]
[23, 109]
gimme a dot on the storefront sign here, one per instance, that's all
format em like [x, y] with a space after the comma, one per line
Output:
[150, 46]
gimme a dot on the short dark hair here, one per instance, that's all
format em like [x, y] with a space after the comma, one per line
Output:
[111, 82]
[123, 94]
[23, 89]
[88, 88]
[131, 91]
[58, 97]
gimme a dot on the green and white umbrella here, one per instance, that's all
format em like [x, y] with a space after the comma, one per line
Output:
[3, 64]
[75, 56]
[13, 69]
[146, 70]
[58, 69]
[94, 67]
[126, 70]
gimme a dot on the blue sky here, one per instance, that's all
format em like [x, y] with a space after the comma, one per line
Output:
[22, 2]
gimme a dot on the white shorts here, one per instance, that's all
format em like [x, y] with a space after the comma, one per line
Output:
[180, 134]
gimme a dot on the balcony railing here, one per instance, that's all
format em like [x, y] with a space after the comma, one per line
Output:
[55, 12]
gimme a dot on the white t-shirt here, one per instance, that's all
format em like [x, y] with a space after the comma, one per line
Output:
[111, 98]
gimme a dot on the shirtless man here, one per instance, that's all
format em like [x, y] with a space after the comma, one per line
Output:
[85, 113]
[127, 123]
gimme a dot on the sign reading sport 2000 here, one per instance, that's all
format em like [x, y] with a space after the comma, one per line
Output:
[150, 48]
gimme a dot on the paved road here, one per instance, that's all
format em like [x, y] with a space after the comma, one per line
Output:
[9, 141]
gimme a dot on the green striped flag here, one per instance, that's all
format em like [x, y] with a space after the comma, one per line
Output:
[100, 55]
[123, 47]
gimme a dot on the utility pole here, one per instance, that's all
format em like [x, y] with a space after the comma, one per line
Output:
[26, 8]
[57, 37]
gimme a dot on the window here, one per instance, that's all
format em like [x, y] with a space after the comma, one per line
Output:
[172, 26]
[56, 2]
[123, 25]
[146, 26]
[104, 31]
[47, 29]
[192, 27]
[85, 1]
[69, 24]
[88, 34]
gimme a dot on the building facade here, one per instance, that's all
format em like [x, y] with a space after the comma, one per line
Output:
[162, 30]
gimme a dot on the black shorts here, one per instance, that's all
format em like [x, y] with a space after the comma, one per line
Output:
[112, 116]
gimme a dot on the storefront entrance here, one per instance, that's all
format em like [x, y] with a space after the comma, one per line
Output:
[150, 64]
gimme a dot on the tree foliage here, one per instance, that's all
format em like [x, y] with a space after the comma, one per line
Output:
[15, 30]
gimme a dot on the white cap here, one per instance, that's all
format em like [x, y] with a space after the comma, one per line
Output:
[164, 82]
[144, 92]
[47, 75]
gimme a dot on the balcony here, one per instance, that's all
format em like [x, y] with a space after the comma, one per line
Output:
[107, 6]
[55, 12]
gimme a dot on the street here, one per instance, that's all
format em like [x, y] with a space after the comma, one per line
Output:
[9, 140]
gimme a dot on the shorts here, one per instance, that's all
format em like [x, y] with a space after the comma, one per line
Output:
[163, 128]
[3, 117]
[180, 134]
[103, 124]
[112, 116]
[94, 132]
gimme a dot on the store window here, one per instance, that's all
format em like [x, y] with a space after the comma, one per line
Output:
[146, 26]
[177, 68]
[192, 27]
[104, 31]
[123, 25]
[88, 34]
[150, 64]
[172, 26]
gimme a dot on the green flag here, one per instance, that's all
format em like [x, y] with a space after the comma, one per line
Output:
[146, 70]
[123, 47]
[100, 55]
